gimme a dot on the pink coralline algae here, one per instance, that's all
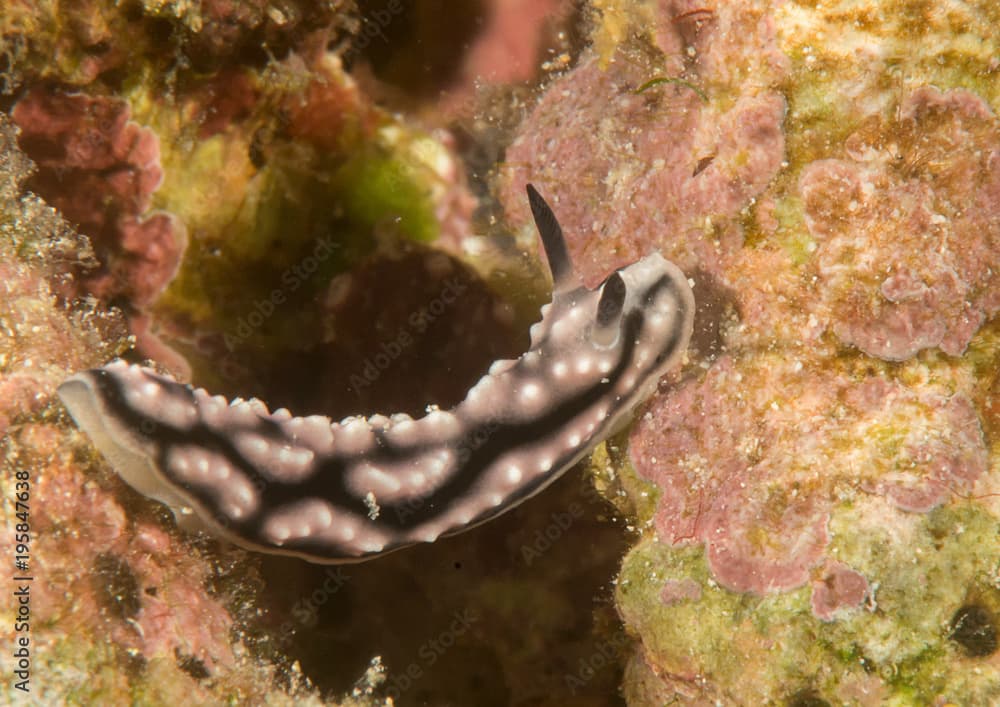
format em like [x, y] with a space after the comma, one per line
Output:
[840, 588]
[507, 49]
[632, 165]
[148, 593]
[907, 225]
[751, 458]
[943, 453]
[678, 590]
[100, 170]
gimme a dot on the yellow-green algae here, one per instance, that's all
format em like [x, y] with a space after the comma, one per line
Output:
[851, 59]
[616, 479]
[252, 227]
[765, 650]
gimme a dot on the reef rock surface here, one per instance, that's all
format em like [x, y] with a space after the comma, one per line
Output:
[819, 487]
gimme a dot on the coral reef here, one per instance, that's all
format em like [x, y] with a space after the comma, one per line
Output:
[317, 224]
[815, 495]
[118, 609]
[41, 338]
[508, 49]
[819, 486]
[634, 162]
[100, 170]
[906, 233]
[761, 448]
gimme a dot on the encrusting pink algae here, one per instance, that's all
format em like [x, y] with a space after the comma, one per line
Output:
[819, 486]
[905, 226]
[815, 495]
[659, 166]
[753, 473]
[100, 170]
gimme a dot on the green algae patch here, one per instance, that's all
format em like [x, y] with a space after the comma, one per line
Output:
[792, 233]
[692, 627]
[377, 187]
[922, 570]
[270, 224]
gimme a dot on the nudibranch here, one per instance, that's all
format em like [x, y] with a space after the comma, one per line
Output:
[347, 491]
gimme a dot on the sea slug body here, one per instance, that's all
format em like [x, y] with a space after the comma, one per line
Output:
[346, 491]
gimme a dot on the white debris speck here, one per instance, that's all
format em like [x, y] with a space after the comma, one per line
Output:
[372, 503]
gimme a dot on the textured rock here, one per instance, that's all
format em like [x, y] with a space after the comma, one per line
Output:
[827, 516]
[908, 226]
[100, 170]
[750, 459]
[633, 167]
